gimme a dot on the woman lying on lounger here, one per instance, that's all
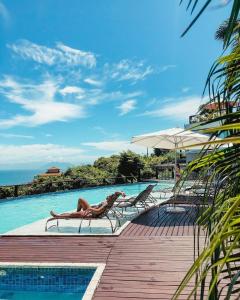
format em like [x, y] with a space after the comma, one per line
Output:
[84, 209]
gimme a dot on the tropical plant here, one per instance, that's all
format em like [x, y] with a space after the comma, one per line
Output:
[130, 165]
[193, 5]
[217, 264]
[88, 173]
[160, 152]
[108, 164]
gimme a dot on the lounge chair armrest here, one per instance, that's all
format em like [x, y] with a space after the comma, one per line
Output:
[120, 200]
[120, 203]
[115, 212]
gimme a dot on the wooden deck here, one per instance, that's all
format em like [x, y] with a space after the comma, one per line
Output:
[147, 261]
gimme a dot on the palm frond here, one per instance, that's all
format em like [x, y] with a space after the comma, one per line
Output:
[204, 5]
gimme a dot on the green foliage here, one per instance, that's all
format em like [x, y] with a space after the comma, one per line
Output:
[130, 164]
[216, 267]
[108, 164]
[160, 152]
[88, 174]
[231, 24]
[6, 192]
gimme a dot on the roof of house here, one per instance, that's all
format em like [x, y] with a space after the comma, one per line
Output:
[53, 170]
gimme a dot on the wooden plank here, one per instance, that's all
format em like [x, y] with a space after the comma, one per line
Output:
[147, 261]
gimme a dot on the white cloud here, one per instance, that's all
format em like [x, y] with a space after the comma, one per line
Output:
[220, 4]
[100, 129]
[4, 14]
[167, 67]
[42, 153]
[115, 146]
[38, 101]
[185, 89]
[71, 90]
[178, 109]
[106, 133]
[11, 135]
[96, 96]
[127, 106]
[127, 70]
[93, 82]
[60, 55]
[47, 101]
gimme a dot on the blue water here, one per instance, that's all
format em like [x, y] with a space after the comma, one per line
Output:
[11, 295]
[25, 210]
[8, 177]
[29, 283]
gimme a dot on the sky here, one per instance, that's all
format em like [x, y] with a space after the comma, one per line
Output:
[78, 79]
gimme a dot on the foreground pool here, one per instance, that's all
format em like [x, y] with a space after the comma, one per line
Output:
[21, 211]
[24, 282]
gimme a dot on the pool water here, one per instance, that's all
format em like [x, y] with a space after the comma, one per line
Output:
[21, 211]
[30, 283]
[13, 295]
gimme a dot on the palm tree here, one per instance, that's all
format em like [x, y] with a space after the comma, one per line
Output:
[217, 266]
[222, 31]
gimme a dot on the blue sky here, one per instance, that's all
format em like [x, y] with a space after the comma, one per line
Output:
[78, 79]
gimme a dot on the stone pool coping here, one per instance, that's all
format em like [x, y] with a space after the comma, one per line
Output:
[88, 295]
[27, 230]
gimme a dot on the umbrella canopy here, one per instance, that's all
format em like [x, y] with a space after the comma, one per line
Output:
[170, 139]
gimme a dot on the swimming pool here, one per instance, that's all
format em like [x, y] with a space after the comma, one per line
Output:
[49, 281]
[25, 210]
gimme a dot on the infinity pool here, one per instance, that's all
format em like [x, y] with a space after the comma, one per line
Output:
[21, 211]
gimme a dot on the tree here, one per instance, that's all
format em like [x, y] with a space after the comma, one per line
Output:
[130, 164]
[108, 164]
[89, 175]
[219, 260]
[222, 32]
[160, 152]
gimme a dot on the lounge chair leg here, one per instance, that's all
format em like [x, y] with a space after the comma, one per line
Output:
[110, 223]
[117, 221]
[57, 225]
[46, 226]
[89, 225]
[80, 226]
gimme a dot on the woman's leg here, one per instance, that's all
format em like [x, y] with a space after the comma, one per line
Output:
[82, 204]
[68, 215]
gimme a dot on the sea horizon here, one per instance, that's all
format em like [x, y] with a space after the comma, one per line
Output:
[17, 176]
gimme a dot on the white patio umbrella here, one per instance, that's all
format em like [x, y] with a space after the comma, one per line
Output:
[171, 139]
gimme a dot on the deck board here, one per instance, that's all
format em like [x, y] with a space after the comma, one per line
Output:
[147, 261]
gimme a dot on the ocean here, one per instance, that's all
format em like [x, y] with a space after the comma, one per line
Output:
[8, 177]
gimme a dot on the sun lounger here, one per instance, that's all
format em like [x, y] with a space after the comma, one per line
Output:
[143, 200]
[105, 214]
[190, 199]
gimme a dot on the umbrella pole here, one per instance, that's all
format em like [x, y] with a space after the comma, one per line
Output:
[175, 177]
[175, 166]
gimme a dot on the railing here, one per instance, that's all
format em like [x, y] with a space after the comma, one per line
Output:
[8, 191]
[198, 118]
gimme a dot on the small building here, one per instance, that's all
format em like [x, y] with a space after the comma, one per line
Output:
[53, 171]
